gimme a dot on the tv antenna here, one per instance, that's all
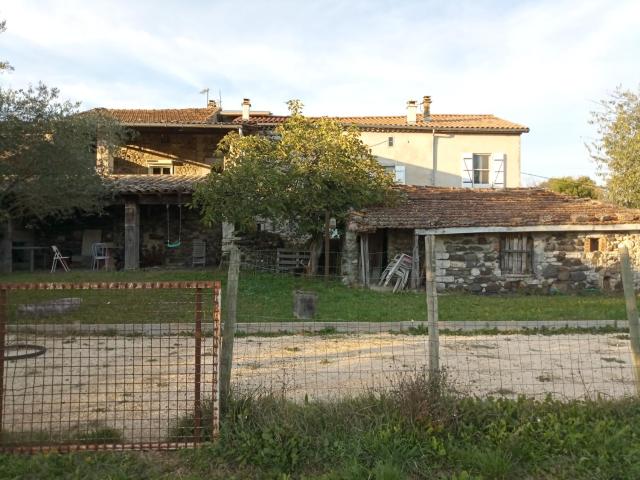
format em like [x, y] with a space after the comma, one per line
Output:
[205, 90]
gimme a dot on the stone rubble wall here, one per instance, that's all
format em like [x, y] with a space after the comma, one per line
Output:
[560, 263]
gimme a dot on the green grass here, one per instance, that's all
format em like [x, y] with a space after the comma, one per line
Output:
[422, 430]
[268, 297]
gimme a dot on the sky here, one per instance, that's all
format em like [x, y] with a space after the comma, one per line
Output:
[545, 64]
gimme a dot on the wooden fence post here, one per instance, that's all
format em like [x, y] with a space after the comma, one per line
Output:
[229, 327]
[632, 310]
[432, 303]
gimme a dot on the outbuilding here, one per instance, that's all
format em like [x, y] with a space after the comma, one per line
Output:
[495, 240]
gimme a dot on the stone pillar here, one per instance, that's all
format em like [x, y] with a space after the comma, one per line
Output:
[131, 234]
[350, 258]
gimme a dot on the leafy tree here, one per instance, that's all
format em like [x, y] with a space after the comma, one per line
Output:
[583, 187]
[4, 66]
[299, 175]
[617, 148]
[48, 157]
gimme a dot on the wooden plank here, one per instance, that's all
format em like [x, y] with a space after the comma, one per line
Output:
[632, 311]
[131, 234]
[229, 328]
[415, 263]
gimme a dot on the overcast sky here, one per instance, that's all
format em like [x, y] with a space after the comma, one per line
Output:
[541, 63]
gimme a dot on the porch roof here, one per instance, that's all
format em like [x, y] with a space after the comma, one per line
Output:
[437, 208]
[152, 184]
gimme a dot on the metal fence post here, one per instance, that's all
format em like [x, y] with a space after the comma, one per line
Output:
[3, 333]
[432, 303]
[198, 368]
[215, 397]
[632, 310]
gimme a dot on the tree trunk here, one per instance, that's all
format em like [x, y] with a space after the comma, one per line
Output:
[315, 249]
[327, 244]
[6, 245]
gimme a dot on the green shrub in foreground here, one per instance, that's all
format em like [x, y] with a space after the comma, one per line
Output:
[421, 430]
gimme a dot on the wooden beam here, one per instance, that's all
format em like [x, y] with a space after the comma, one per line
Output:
[415, 263]
[364, 260]
[623, 227]
[632, 310]
[131, 234]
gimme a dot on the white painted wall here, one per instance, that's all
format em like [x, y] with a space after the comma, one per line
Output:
[414, 151]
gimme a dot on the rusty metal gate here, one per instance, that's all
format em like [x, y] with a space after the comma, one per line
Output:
[91, 366]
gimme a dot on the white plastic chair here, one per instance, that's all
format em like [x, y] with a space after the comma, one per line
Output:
[99, 252]
[199, 256]
[58, 258]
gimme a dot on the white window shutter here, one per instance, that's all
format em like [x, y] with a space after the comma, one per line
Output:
[466, 168]
[400, 176]
[498, 164]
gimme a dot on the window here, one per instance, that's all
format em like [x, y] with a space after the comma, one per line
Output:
[516, 254]
[161, 168]
[390, 141]
[397, 171]
[480, 169]
[595, 244]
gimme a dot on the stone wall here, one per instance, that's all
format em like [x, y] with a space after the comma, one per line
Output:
[191, 153]
[562, 262]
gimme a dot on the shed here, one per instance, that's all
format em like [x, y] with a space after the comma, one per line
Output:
[495, 240]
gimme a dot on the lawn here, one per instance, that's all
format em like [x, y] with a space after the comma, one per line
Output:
[267, 297]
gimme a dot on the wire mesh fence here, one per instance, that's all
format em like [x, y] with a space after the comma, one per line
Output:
[108, 365]
[566, 360]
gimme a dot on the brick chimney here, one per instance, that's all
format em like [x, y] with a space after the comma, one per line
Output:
[412, 109]
[246, 105]
[426, 108]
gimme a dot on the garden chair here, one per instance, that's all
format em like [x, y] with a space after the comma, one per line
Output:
[199, 253]
[58, 258]
[400, 270]
[99, 253]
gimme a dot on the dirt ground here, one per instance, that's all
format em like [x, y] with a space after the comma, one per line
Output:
[140, 385]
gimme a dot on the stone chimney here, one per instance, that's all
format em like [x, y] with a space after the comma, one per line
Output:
[426, 108]
[246, 105]
[412, 109]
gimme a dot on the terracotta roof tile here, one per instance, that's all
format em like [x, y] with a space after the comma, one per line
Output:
[441, 122]
[173, 116]
[433, 207]
[141, 184]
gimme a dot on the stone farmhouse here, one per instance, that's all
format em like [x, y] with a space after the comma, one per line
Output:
[460, 173]
[153, 177]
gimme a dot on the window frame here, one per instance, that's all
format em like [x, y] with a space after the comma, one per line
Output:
[161, 165]
[480, 170]
[516, 254]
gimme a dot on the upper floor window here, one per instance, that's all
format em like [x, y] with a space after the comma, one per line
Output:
[480, 169]
[483, 170]
[390, 141]
[398, 173]
[160, 168]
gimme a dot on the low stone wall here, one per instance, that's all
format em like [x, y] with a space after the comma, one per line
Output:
[561, 262]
